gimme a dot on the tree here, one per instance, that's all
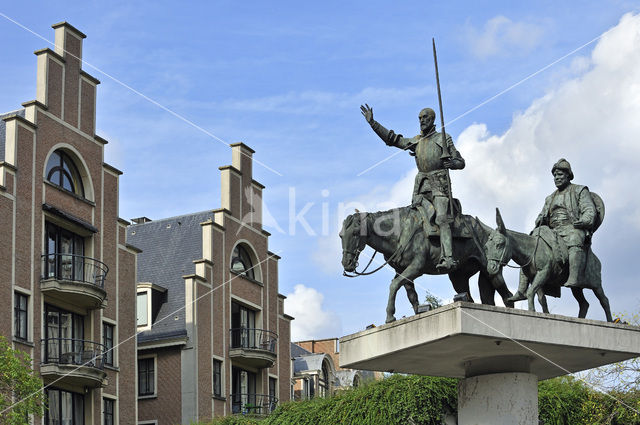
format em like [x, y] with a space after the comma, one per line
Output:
[622, 377]
[20, 388]
[432, 300]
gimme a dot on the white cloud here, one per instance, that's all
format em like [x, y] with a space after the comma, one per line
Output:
[502, 35]
[311, 320]
[591, 120]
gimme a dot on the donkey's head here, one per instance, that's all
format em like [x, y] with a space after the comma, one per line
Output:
[498, 248]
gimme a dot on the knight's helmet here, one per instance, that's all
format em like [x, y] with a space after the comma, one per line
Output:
[564, 165]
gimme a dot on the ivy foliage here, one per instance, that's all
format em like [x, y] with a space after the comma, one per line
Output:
[568, 401]
[18, 383]
[402, 400]
[421, 400]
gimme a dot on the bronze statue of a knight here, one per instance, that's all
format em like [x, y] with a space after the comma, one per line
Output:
[432, 186]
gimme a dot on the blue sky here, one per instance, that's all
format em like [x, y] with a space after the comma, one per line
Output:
[287, 79]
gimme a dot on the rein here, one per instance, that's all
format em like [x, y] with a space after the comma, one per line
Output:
[391, 258]
[506, 263]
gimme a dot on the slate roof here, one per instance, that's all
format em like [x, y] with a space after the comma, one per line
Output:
[344, 378]
[297, 351]
[169, 247]
[3, 129]
[308, 362]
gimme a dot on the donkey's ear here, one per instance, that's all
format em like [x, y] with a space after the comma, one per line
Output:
[501, 228]
[357, 210]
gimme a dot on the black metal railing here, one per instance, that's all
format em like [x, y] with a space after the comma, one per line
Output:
[253, 404]
[75, 268]
[70, 351]
[257, 339]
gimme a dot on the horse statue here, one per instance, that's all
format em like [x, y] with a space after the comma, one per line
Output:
[412, 252]
[544, 265]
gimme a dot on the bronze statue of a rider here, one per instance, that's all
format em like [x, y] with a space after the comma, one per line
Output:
[571, 212]
[431, 183]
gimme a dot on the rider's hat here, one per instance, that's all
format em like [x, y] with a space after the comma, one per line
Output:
[564, 165]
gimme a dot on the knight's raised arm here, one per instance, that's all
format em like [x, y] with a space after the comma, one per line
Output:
[387, 136]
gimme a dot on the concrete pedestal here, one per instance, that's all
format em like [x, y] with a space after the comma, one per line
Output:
[498, 399]
[499, 353]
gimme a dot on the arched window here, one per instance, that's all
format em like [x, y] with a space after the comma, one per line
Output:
[62, 172]
[324, 382]
[241, 262]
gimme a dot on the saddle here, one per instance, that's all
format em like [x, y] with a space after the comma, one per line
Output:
[428, 214]
[560, 262]
[555, 243]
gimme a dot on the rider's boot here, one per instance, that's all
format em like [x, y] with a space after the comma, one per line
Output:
[447, 262]
[577, 259]
[521, 293]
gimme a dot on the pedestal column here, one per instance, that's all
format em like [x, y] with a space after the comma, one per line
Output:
[498, 399]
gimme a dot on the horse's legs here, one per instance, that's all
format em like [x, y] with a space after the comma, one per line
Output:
[594, 273]
[460, 281]
[536, 285]
[582, 302]
[500, 285]
[412, 294]
[604, 302]
[391, 303]
[487, 291]
[407, 275]
[542, 299]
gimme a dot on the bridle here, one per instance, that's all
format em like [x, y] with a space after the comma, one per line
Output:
[501, 258]
[505, 262]
[359, 249]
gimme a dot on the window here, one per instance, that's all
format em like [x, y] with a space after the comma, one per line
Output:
[64, 407]
[108, 411]
[217, 378]
[241, 262]
[243, 385]
[62, 172]
[64, 336]
[305, 388]
[64, 254]
[20, 316]
[146, 377]
[243, 324]
[143, 309]
[324, 381]
[107, 340]
[273, 395]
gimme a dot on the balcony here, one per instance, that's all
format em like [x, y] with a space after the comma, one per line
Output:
[253, 347]
[74, 279]
[253, 404]
[73, 361]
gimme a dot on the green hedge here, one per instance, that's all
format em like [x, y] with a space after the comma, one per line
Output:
[402, 400]
[421, 400]
[568, 401]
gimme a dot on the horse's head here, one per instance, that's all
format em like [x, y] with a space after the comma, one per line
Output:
[352, 241]
[498, 248]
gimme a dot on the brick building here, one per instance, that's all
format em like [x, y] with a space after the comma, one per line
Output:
[67, 275]
[317, 371]
[214, 339]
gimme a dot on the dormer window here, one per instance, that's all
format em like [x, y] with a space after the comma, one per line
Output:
[241, 262]
[149, 299]
[62, 172]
